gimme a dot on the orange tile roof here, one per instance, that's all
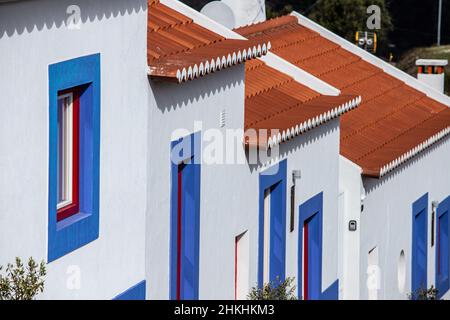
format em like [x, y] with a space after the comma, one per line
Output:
[178, 49]
[278, 108]
[394, 121]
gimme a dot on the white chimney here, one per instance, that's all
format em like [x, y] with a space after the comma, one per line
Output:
[236, 13]
[432, 73]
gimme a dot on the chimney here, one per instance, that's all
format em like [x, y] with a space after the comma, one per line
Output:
[236, 13]
[432, 73]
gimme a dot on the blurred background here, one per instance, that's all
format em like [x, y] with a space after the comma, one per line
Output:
[409, 28]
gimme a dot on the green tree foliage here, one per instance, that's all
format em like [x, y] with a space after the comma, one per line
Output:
[275, 8]
[424, 294]
[22, 282]
[416, 23]
[196, 4]
[407, 61]
[276, 290]
[345, 17]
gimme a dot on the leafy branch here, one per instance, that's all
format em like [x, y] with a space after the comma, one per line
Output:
[22, 282]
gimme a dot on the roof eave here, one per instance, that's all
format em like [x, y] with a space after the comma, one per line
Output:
[404, 158]
[284, 135]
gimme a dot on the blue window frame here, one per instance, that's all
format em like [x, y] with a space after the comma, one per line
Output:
[69, 234]
[310, 221]
[273, 179]
[419, 244]
[442, 248]
[185, 218]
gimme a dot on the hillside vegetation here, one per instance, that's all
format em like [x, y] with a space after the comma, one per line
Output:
[407, 62]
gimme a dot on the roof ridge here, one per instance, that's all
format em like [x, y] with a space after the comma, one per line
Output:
[432, 115]
[287, 17]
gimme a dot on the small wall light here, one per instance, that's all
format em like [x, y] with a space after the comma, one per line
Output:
[363, 197]
[352, 225]
[296, 174]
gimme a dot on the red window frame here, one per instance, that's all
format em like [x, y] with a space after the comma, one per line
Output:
[74, 207]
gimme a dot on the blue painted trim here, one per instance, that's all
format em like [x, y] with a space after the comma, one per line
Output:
[443, 285]
[310, 208]
[71, 234]
[274, 177]
[182, 149]
[418, 278]
[332, 292]
[136, 292]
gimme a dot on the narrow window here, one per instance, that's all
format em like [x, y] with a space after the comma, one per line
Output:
[68, 154]
[241, 267]
[73, 154]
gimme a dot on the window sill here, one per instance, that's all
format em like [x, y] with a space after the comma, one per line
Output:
[71, 220]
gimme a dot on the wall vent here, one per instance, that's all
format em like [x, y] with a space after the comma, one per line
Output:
[222, 118]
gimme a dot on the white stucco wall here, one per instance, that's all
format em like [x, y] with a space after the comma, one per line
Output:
[137, 120]
[316, 154]
[386, 222]
[229, 192]
[350, 188]
[178, 106]
[32, 36]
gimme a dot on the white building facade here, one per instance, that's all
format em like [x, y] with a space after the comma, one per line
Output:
[127, 167]
[40, 57]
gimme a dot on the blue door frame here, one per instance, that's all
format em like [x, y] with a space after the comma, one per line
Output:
[419, 244]
[442, 248]
[274, 179]
[185, 221]
[311, 214]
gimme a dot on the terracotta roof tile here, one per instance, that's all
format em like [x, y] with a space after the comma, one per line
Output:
[394, 121]
[277, 104]
[178, 49]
